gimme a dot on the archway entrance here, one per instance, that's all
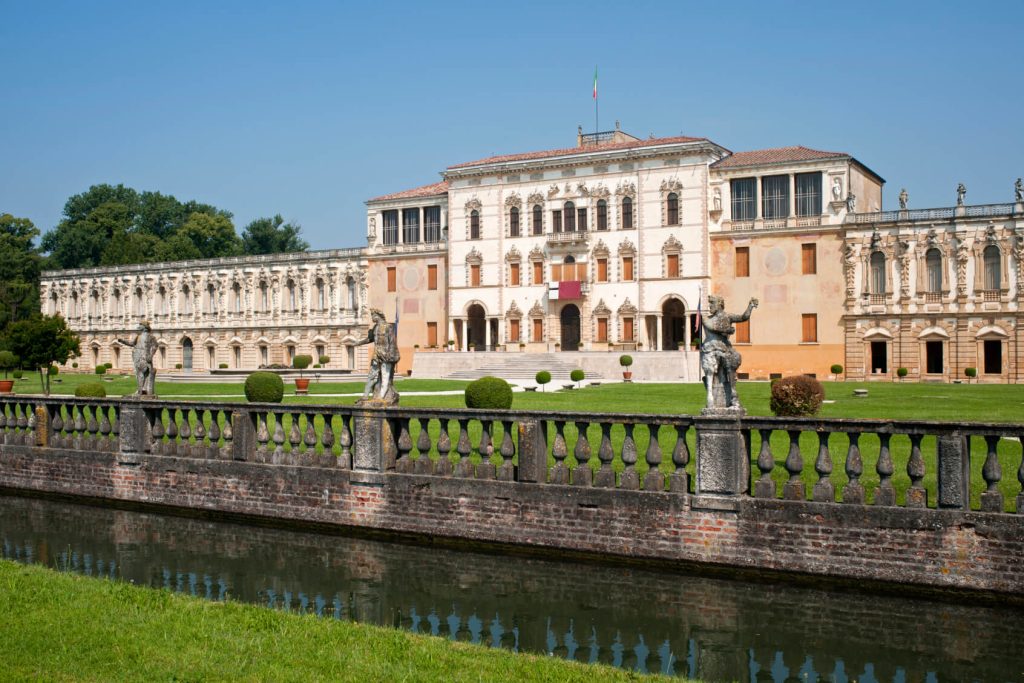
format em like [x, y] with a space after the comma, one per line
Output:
[673, 325]
[476, 327]
[570, 317]
[186, 353]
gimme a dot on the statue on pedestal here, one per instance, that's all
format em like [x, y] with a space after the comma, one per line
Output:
[380, 382]
[143, 349]
[1018, 191]
[961, 192]
[719, 360]
[903, 199]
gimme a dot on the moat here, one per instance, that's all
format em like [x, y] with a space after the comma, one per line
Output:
[684, 625]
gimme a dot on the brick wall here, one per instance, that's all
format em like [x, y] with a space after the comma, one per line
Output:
[936, 548]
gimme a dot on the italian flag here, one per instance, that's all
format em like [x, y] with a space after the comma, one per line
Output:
[595, 82]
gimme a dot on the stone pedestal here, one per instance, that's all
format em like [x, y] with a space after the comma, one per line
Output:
[953, 459]
[135, 434]
[723, 460]
[374, 446]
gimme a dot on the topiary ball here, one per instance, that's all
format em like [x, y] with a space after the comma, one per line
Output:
[490, 393]
[17, 374]
[625, 360]
[302, 362]
[90, 390]
[576, 375]
[264, 387]
[837, 369]
[52, 371]
[796, 396]
[543, 377]
[101, 370]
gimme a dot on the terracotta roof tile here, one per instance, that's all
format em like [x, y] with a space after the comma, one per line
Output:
[775, 155]
[423, 191]
[527, 156]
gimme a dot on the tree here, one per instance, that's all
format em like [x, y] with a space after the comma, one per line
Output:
[80, 243]
[41, 341]
[213, 235]
[177, 248]
[272, 236]
[20, 264]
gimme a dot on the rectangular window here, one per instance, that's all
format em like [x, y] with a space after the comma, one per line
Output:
[809, 259]
[775, 197]
[431, 277]
[513, 330]
[808, 194]
[538, 220]
[602, 215]
[538, 272]
[538, 329]
[672, 265]
[743, 332]
[627, 268]
[556, 221]
[410, 226]
[513, 274]
[238, 356]
[432, 224]
[264, 356]
[627, 329]
[581, 220]
[627, 213]
[390, 219]
[602, 270]
[474, 276]
[742, 261]
[320, 352]
[810, 327]
[392, 279]
[431, 334]
[602, 329]
[743, 192]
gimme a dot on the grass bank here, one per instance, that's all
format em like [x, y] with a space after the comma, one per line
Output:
[60, 626]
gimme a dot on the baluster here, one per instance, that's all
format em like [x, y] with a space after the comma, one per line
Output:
[156, 444]
[507, 471]
[464, 468]
[764, 487]
[226, 432]
[655, 479]
[794, 488]
[486, 469]
[853, 492]
[886, 494]
[444, 447]
[56, 425]
[559, 473]
[404, 444]
[105, 429]
[115, 430]
[78, 441]
[680, 480]
[294, 441]
[31, 425]
[213, 450]
[171, 447]
[304, 453]
[1020, 476]
[327, 458]
[92, 425]
[992, 473]
[345, 441]
[824, 489]
[12, 436]
[199, 448]
[917, 495]
[185, 432]
[605, 476]
[582, 475]
[24, 437]
[629, 479]
[278, 457]
[3, 422]
[423, 464]
[262, 437]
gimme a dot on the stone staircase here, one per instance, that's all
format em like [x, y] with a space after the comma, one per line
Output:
[523, 367]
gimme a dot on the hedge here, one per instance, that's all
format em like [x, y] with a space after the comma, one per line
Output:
[264, 387]
[90, 390]
[491, 393]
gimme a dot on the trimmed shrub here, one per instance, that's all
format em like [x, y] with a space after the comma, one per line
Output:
[971, 372]
[796, 396]
[301, 362]
[489, 393]
[101, 369]
[52, 371]
[576, 375]
[836, 369]
[108, 366]
[90, 390]
[324, 360]
[625, 360]
[543, 377]
[7, 361]
[17, 374]
[75, 365]
[223, 366]
[177, 366]
[264, 387]
[901, 372]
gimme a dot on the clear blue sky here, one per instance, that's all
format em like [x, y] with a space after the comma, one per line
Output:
[308, 109]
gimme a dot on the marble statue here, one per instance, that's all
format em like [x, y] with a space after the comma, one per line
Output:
[1018, 191]
[903, 199]
[143, 349]
[380, 382]
[719, 360]
[851, 203]
[717, 200]
[837, 189]
[961, 192]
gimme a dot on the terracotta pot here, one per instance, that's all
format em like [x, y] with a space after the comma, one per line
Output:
[6, 386]
[302, 384]
[627, 375]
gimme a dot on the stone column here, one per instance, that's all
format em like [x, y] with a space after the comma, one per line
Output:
[658, 334]
[954, 462]
[533, 452]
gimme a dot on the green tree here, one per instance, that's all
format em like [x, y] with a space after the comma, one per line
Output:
[41, 341]
[272, 236]
[20, 264]
[177, 248]
[80, 243]
[213, 235]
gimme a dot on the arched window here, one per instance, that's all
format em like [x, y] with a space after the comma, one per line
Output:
[186, 299]
[264, 299]
[602, 215]
[140, 302]
[538, 219]
[474, 225]
[513, 222]
[291, 296]
[211, 299]
[321, 298]
[236, 290]
[627, 213]
[569, 216]
[672, 207]
[94, 303]
[350, 285]
[877, 273]
[993, 274]
[73, 313]
[164, 309]
[933, 270]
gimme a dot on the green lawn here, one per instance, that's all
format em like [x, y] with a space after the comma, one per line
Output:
[64, 627]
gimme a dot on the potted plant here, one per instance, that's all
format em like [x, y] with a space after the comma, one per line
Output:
[7, 362]
[450, 343]
[300, 363]
[625, 361]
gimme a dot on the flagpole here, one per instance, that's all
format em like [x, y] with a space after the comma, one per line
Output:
[597, 128]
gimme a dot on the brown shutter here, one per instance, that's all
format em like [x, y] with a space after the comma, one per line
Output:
[474, 275]
[513, 274]
[513, 330]
[743, 332]
[742, 261]
[673, 265]
[431, 277]
[627, 329]
[627, 268]
[538, 329]
[431, 334]
[602, 270]
[602, 329]
[810, 327]
[538, 272]
[392, 279]
[809, 258]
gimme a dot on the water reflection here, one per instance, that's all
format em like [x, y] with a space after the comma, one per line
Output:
[692, 626]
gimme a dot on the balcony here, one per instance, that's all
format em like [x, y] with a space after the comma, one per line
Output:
[576, 237]
[942, 213]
